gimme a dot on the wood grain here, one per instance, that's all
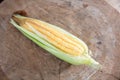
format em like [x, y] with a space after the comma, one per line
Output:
[94, 21]
[2, 75]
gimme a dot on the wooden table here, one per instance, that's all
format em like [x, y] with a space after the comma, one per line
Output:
[94, 21]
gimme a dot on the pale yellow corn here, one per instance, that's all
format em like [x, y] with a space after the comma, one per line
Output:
[55, 40]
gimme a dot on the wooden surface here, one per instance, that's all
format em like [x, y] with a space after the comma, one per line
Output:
[94, 21]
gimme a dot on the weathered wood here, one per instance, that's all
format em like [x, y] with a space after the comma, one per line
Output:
[94, 21]
[2, 75]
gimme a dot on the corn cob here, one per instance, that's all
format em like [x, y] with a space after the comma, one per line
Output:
[57, 41]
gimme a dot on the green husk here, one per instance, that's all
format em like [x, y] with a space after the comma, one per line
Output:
[40, 41]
